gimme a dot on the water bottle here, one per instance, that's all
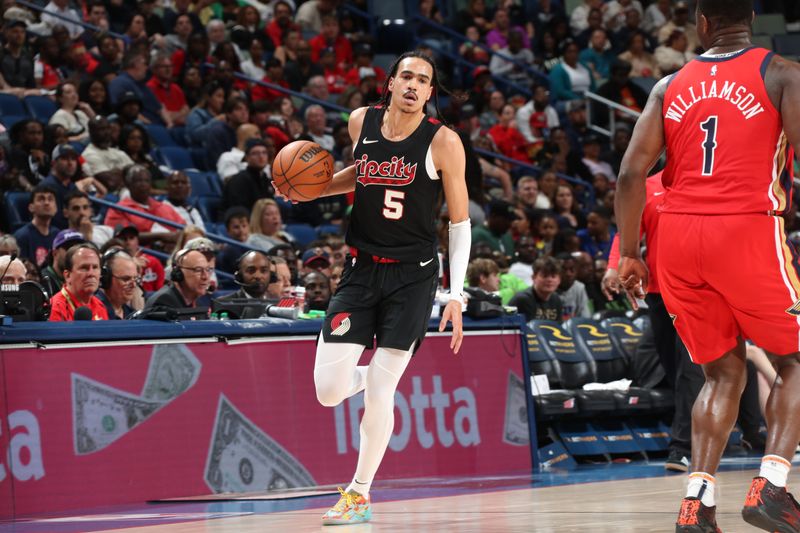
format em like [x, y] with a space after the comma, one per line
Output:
[300, 298]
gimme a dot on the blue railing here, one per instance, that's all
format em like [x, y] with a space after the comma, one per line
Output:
[460, 60]
[360, 13]
[86, 25]
[540, 77]
[167, 223]
[287, 92]
[537, 169]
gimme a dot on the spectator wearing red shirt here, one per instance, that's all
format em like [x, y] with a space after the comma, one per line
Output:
[139, 183]
[81, 281]
[281, 23]
[508, 139]
[275, 77]
[333, 73]
[45, 69]
[168, 93]
[363, 60]
[330, 37]
[150, 268]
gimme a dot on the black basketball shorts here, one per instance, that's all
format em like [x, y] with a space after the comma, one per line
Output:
[388, 301]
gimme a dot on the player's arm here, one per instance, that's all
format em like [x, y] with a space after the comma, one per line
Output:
[344, 181]
[787, 76]
[645, 148]
[448, 157]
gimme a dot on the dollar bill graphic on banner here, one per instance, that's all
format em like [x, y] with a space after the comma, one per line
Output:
[173, 370]
[102, 414]
[516, 421]
[242, 458]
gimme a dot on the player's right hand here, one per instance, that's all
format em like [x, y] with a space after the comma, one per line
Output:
[610, 284]
[633, 277]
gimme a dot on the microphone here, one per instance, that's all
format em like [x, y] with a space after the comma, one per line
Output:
[83, 313]
[13, 257]
[257, 288]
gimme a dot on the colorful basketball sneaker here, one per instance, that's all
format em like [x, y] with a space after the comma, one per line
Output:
[771, 508]
[696, 518]
[352, 508]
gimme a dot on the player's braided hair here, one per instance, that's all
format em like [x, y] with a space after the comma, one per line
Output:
[386, 95]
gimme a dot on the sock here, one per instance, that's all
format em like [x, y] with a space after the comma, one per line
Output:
[775, 469]
[702, 486]
[360, 487]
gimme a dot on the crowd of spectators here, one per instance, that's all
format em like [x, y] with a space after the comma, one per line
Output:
[541, 231]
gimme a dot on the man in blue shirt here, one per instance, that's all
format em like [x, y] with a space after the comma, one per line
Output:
[132, 78]
[36, 237]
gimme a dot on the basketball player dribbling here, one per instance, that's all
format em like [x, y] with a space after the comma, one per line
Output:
[726, 269]
[404, 159]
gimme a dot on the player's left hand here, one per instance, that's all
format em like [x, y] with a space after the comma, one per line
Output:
[279, 194]
[633, 277]
[452, 313]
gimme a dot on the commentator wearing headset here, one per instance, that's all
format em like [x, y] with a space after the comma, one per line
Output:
[253, 275]
[118, 281]
[76, 299]
[190, 277]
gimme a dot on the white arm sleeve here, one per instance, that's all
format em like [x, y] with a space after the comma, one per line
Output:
[460, 243]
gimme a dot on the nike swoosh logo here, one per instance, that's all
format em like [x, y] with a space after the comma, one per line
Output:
[426, 263]
[657, 193]
[365, 141]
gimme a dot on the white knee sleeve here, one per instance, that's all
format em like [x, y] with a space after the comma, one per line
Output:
[336, 374]
[385, 370]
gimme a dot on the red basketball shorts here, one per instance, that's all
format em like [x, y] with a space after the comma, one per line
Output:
[724, 277]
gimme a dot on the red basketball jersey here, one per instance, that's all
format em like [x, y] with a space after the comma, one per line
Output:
[726, 149]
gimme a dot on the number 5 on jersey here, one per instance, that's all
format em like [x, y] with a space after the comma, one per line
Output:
[393, 205]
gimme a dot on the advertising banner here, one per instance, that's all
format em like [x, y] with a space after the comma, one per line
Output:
[91, 426]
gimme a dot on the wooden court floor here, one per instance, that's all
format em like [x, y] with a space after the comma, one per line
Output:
[631, 505]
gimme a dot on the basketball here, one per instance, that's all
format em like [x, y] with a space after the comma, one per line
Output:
[302, 170]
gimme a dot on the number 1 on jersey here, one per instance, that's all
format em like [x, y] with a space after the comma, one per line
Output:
[392, 204]
[710, 144]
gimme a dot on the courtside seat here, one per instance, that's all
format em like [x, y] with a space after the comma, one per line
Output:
[40, 107]
[302, 233]
[576, 369]
[209, 208]
[556, 403]
[329, 229]
[175, 157]
[594, 342]
[10, 105]
[201, 185]
[160, 135]
[9, 120]
[624, 335]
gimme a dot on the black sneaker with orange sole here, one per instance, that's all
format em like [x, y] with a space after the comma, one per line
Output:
[696, 518]
[771, 508]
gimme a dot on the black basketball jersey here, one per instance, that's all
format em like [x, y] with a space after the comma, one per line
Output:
[397, 192]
